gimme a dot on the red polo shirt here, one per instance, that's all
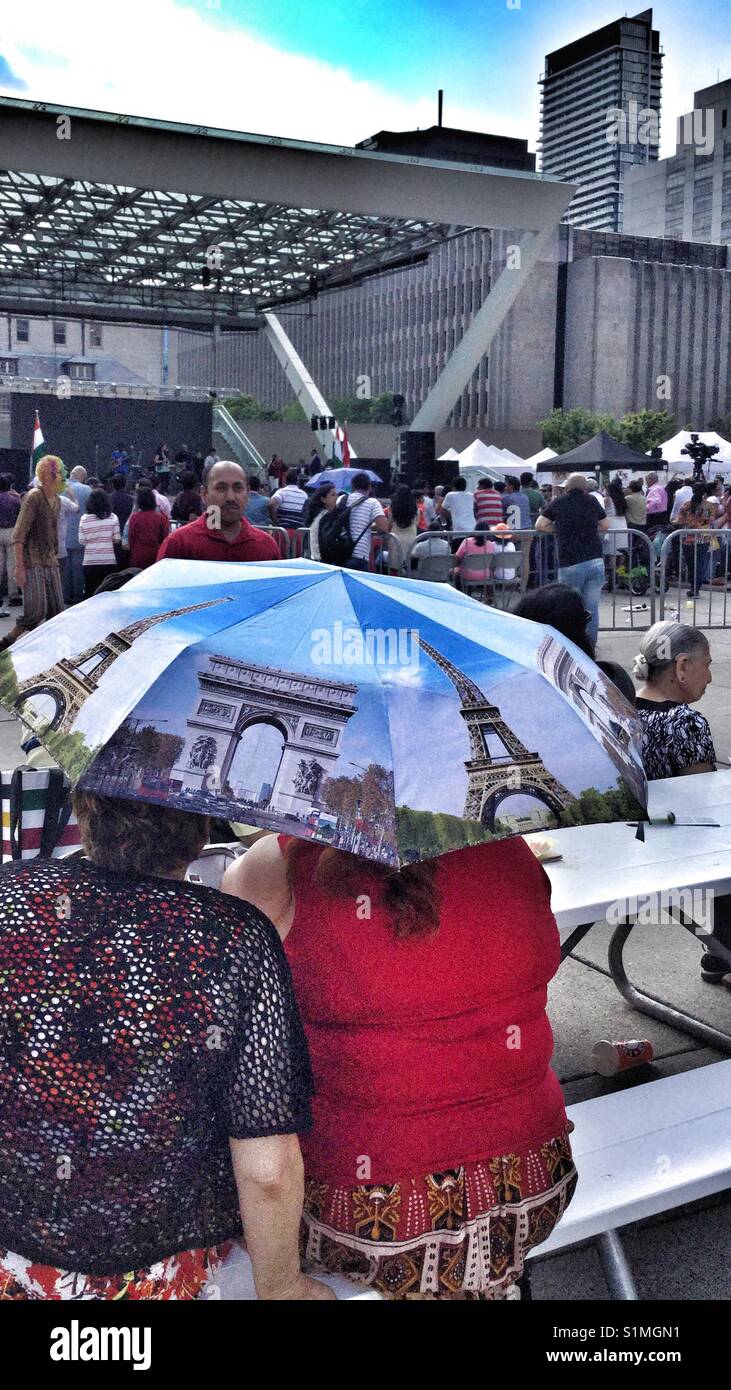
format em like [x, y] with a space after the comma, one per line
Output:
[198, 541]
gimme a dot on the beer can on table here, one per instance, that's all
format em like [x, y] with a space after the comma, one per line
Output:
[610, 1057]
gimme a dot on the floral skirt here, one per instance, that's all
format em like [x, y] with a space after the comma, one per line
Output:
[175, 1278]
[464, 1233]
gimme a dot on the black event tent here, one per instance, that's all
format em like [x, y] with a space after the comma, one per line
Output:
[601, 452]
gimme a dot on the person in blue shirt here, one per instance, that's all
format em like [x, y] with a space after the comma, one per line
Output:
[120, 460]
[257, 508]
[516, 506]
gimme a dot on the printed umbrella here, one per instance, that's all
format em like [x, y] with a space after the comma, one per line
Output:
[341, 477]
[391, 717]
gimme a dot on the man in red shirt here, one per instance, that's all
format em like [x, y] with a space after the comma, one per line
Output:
[488, 503]
[222, 533]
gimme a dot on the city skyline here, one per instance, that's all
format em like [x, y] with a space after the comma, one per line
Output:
[326, 74]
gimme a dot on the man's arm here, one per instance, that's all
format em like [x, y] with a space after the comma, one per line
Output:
[26, 517]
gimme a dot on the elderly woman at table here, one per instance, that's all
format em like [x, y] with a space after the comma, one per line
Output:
[673, 667]
[153, 1072]
[439, 1154]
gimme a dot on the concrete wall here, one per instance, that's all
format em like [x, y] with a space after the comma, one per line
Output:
[598, 335]
[522, 357]
[294, 442]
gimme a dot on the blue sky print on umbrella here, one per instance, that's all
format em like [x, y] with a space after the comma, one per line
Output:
[391, 717]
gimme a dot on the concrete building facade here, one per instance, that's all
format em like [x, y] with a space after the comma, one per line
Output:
[688, 196]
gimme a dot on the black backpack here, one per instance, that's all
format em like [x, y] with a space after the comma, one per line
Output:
[333, 537]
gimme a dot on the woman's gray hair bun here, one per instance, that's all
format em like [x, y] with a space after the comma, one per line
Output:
[662, 644]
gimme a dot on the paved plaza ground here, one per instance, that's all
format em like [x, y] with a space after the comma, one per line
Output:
[683, 1255]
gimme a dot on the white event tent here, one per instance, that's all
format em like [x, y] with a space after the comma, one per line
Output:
[679, 462]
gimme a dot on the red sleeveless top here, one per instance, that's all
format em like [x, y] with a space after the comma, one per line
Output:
[435, 1051]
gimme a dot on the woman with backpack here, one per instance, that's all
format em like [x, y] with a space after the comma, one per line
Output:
[324, 499]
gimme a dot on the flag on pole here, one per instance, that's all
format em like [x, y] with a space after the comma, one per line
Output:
[346, 447]
[338, 445]
[38, 448]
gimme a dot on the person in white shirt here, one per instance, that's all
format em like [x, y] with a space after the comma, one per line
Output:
[682, 496]
[287, 504]
[366, 512]
[98, 533]
[460, 505]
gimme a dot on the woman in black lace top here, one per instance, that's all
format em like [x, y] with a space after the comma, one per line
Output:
[153, 1072]
[673, 667]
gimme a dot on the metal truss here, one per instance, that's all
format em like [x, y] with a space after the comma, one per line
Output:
[178, 257]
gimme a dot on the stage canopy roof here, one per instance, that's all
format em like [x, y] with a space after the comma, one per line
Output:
[119, 217]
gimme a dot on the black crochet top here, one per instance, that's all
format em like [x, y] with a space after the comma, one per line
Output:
[143, 1022]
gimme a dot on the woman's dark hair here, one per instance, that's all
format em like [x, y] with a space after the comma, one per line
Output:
[6, 482]
[97, 503]
[559, 606]
[188, 482]
[118, 482]
[403, 506]
[134, 836]
[411, 893]
[480, 532]
[145, 499]
[616, 492]
[699, 496]
[316, 503]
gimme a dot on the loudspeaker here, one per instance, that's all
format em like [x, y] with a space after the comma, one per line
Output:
[380, 466]
[416, 456]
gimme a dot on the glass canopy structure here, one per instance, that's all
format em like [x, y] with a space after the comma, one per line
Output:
[142, 221]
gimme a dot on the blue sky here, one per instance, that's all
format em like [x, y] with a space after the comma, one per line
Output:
[325, 71]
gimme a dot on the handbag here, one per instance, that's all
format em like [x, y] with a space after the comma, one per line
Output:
[37, 820]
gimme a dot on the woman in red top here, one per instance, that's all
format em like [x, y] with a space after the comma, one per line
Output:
[439, 1153]
[146, 530]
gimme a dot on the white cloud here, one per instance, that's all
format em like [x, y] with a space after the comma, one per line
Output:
[183, 62]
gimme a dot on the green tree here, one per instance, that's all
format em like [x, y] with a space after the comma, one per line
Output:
[245, 407]
[566, 429]
[382, 408]
[294, 413]
[352, 409]
[643, 429]
[722, 425]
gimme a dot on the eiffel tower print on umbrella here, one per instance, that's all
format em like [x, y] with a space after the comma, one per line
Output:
[393, 718]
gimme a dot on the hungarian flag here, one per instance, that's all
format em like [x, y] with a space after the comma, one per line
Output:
[38, 449]
[346, 447]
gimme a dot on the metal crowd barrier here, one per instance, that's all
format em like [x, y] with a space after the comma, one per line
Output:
[645, 576]
[693, 576]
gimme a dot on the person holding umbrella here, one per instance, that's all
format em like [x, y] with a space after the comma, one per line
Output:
[153, 1081]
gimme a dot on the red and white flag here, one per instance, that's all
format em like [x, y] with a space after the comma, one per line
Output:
[346, 447]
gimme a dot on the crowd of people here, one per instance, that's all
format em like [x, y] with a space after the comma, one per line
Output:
[377, 1125]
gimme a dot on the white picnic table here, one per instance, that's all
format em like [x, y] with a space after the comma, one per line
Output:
[601, 864]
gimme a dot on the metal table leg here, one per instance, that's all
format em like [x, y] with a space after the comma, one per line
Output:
[573, 940]
[616, 1269]
[658, 1008]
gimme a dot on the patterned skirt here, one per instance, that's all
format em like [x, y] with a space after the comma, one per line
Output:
[176, 1278]
[464, 1233]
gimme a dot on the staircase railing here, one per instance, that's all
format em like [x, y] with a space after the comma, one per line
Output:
[244, 451]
